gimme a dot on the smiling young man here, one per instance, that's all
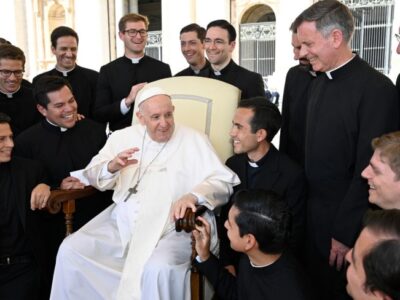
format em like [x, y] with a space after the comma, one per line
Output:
[260, 165]
[121, 79]
[16, 100]
[374, 262]
[21, 247]
[64, 45]
[258, 229]
[342, 118]
[192, 47]
[220, 43]
[383, 171]
[62, 145]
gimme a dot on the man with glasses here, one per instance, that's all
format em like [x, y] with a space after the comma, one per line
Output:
[15, 100]
[219, 44]
[121, 79]
[64, 45]
[25, 82]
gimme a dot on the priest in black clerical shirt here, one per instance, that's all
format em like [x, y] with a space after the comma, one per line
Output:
[62, 144]
[260, 165]
[219, 44]
[258, 229]
[64, 45]
[121, 79]
[21, 248]
[16, 100]
[192, 47]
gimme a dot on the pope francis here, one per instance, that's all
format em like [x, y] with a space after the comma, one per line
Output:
[157, 169]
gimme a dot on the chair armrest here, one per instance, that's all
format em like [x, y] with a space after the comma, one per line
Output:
[188, 222]
[58, 197]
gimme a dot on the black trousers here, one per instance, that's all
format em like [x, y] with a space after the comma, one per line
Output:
[20, 281]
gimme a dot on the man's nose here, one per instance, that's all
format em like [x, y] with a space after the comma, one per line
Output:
[303, 52]
[10, 142]
[184, 48]
[365, 172]
[232, 133]
[163, 122]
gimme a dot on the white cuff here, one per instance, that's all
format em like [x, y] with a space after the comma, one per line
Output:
[105, 174]
[200, 199]
[124, 109]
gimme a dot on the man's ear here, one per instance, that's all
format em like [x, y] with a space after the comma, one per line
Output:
[261, 135]
[53, 50]
[140, 117]
[251, 242]
[337, 38]
[42, 110]
[121, 35]
[232, 45]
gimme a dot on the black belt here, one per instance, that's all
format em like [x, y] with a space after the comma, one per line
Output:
[19, 259]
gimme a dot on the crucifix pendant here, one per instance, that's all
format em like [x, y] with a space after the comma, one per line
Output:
[132, 190]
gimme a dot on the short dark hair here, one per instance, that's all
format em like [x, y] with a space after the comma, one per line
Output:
[383, 222]
[47, 84]
[266, 216]
[60, 32]
[382, 262]
[382, 268]
[4, 41]
[4, 118]
[266, 115]
[328, 15]
[12, 52]
[201, 32]
[224, 24]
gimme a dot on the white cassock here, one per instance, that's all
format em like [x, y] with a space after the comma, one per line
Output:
[131, 250]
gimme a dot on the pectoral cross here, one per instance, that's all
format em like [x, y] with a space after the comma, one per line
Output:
[132, 190]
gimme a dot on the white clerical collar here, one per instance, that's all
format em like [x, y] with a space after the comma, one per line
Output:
[253, 164]
[328, 73]
[195, 71]
[64, 72]
[262, 266]
[136, 60]
[217, 71]
[62, 129]
[10, 95]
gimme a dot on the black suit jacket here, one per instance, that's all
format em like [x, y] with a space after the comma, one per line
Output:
[25, 175]
[250, 83]
[115, 82]
[294, 110]
[278, 173]
[204, 72]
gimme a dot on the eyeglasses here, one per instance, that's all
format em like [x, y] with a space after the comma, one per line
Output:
[134, 32]
[7, 73]
[397, 36]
